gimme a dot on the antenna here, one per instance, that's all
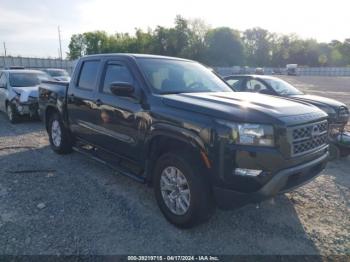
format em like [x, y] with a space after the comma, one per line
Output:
[60, 42]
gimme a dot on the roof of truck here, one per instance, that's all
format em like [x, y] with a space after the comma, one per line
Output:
[136, 56]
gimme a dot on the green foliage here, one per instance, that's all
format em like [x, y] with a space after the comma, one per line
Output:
[258, 44]
[222, 46]
[225, 47]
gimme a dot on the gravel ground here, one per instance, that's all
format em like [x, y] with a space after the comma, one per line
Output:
[52, 204]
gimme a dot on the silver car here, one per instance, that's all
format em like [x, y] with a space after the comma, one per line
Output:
[57, 74]
[19, 92]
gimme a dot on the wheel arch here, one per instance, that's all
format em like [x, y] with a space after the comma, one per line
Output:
[49, 110]
[171, 139]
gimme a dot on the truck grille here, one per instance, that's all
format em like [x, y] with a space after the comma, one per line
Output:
[309, 137]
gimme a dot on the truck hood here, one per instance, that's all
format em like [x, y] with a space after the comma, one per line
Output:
[26, 92]
[318, 100]
[242, 106]
[62, 78]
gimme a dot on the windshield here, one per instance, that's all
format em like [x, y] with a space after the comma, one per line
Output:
[282, 87]
[24, 79]
[55, 73]
[168, 76]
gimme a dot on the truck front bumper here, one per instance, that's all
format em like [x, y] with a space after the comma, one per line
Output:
[30, 109]
[283, 181]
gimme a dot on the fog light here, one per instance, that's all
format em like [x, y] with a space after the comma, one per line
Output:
[247, 172]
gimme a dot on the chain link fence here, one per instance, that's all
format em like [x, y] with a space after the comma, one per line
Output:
[306, 71]
[36, 63]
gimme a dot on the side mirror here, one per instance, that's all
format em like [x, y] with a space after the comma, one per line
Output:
[267, 92]
[122, 89]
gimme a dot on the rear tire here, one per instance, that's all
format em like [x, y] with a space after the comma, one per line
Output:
[177, 176]
[59, 136]
[12, 115]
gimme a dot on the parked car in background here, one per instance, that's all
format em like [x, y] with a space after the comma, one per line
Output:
[15, 67]
[292, 69]
[57, 74]
[277, 71]
[19, 92]
[338, 112]
[174, 124]
[259, 71]
[244, 70]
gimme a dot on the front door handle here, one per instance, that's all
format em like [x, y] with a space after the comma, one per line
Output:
[98, 102]
[71, 97]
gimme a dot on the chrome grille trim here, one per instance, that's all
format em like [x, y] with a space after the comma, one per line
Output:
[308, 138]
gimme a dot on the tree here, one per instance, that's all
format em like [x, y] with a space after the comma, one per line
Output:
[197, 45]
[96, 42]
[258, 46]
[344, 49]
[221, 46]
[224, 47]
[77, 46]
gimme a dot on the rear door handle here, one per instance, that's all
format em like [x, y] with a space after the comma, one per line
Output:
[98, 102]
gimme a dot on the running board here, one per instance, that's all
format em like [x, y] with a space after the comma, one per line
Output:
[110, 165]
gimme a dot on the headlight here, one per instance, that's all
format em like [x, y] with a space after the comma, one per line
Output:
[250, 134]
[343, 112]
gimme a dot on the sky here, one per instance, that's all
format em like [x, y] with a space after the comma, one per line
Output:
[29, 27]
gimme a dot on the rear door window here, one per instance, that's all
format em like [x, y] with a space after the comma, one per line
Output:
[88, 75]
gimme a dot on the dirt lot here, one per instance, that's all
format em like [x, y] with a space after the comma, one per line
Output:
[51, 204]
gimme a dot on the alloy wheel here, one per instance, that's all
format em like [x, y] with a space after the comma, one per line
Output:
[175, 190]
[56, 133]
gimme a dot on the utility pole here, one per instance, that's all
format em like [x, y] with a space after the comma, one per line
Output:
[5, 54]
[59, 39]
[5, 51]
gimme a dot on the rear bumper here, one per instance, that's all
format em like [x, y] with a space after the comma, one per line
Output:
[283, 181]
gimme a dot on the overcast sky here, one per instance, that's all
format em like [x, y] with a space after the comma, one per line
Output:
[29, 27]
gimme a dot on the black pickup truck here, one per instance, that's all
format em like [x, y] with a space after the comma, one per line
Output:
[173, 124]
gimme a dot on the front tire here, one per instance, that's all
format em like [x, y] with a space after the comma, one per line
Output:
[182, 191]
[344, 152]
[59, 136]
